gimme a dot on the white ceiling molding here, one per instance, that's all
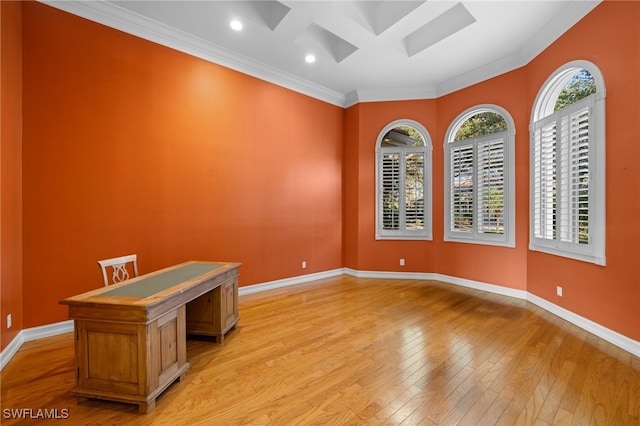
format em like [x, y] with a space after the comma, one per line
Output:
[374, 50]
[113, 16]
[572, 13]
[390, 94]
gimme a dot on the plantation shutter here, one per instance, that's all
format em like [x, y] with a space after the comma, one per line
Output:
[390, 187]
[490, 186]
[561, 167]
[544, 185]
[574, 177]
[414, 191]
[462, 182]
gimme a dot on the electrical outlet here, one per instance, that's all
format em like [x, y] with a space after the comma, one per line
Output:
[559, 291]
[9, 321]
[401, 262]
[304, 264]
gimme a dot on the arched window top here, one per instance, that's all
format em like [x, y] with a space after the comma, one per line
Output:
[480, 120]
[479, 177]
[404, 133]
[575, 73]
[403, 182]
[567, 163]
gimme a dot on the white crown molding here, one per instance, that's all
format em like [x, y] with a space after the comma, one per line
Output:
[617, 339]
[482, 73]
[573, 12]
[390, 94]
[114, 16]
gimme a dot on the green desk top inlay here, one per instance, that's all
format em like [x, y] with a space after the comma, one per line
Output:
[152, 285]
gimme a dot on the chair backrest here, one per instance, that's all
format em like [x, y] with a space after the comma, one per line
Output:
[119, 265]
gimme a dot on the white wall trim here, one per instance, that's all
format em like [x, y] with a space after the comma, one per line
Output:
[125, 20]
[390, 275]
[610, 336]
[489, 288]
[117, 17]
[617, 339]
[271, 285]
[34, 333]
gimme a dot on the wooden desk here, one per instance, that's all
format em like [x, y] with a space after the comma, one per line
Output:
[130, 338]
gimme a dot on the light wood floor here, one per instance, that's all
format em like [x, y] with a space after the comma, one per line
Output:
[347, 351]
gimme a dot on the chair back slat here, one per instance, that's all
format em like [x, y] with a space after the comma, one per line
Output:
[119, 268]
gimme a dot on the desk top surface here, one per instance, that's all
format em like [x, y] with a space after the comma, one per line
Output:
[149, 288]
[154, 284]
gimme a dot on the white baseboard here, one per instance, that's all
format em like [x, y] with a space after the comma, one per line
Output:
[390, 275]
[271, 285]
[626, 343]
[615, 338]
[34, 333]
[490, 288]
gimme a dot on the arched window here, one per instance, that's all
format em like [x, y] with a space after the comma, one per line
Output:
[567, 191]
[403, 182]
[479, 177]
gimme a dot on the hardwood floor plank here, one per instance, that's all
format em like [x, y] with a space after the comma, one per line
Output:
[353, 351]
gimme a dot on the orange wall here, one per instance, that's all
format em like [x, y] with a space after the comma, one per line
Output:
[131, 147]
[610, 38]
[495, 265]
[607, 295]
[10, 171]
[362, 251]
[351, 187]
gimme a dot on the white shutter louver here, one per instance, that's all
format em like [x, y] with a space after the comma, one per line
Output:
[414, 191]
[462, 183]
[575, 177]
[390, 191]
[544, 186]
[490, 187]
[561, 181]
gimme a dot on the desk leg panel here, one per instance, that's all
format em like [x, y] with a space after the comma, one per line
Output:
[110, 357]
[130, 362]
[215, 312]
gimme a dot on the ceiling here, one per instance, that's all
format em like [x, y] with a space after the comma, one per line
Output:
[365, 50]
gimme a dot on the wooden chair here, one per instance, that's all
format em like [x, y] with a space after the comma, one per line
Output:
[119, 266]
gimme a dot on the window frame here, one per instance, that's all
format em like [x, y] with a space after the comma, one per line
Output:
[543, 114]
[507, 239]
[403, 234]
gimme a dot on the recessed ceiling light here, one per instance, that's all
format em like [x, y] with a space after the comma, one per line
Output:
[310, 58]
[235, 25]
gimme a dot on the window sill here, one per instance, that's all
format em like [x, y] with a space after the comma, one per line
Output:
[508, 244]
[423, 237]
[584, 257]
